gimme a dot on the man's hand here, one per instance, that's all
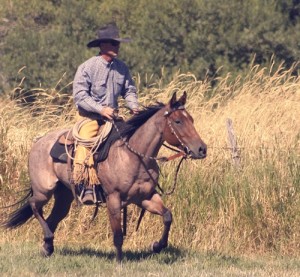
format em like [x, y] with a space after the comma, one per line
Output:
[108, 113]
[134, 111]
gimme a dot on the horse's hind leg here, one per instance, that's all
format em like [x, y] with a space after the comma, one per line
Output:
[155, 205]
[37, 201]
[63, 200]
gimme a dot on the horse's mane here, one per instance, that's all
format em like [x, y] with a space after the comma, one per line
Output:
[127, 128]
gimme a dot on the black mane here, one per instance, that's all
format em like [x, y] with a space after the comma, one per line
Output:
[127, 128]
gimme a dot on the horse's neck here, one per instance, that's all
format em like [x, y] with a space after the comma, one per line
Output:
[148, 138]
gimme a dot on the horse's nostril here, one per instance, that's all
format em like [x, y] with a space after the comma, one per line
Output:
[186, 150]
[202, 150]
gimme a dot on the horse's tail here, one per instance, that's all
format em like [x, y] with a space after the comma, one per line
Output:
[21, 215]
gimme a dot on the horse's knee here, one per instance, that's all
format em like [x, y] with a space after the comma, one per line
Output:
[32, 203]
[34, 207]
[167, 218]
[36, 203]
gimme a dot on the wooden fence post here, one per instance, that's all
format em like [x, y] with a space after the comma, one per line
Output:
[233, 144]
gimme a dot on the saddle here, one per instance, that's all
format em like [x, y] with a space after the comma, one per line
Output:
[64, 147]
[63, 152]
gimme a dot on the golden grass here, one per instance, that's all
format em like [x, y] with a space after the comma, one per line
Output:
[216, 206]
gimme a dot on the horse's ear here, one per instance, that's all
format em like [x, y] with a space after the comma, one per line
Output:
[182, 99]
[173, 100]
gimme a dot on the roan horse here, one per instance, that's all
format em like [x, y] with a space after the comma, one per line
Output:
[126, 176]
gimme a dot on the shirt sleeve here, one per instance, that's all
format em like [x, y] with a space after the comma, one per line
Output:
[81, 91]
[130, 92]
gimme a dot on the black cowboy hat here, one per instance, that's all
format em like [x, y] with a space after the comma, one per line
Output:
[106, 33]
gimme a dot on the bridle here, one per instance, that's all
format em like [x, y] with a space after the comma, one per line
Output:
[185, 154]
[184, 147]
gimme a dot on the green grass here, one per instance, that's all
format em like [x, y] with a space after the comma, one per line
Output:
[23, 259]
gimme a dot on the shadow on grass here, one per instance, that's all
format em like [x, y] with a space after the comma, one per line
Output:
[168, 256]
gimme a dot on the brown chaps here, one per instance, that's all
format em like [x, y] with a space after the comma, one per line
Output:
[84, 167]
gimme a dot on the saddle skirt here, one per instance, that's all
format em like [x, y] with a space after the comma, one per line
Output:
[58, 150]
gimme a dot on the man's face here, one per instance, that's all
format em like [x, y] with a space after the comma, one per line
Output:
[110, 48]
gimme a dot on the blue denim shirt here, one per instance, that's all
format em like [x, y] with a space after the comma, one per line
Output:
[98, 83]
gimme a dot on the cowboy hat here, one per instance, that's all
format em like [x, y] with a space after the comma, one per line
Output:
[106, 33]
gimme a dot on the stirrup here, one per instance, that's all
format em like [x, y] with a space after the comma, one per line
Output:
[91, 195]
[88, 197]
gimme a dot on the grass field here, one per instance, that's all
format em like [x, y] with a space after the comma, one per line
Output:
[241, 221]
[22, 259]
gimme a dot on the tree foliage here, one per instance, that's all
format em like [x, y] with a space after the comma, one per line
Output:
[47, 38]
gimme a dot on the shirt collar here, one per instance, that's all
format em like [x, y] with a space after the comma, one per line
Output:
[105, 62]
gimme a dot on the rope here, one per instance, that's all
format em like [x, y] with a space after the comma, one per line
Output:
[90, 143]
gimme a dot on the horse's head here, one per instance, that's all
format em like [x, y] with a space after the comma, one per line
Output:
[180, 130]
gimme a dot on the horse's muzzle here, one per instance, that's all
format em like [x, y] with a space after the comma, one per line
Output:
[200, 153]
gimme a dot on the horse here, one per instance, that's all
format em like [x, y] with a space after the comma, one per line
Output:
[129, 174]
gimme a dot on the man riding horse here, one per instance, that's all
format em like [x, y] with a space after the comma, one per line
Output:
[129, 173]
[97, 85]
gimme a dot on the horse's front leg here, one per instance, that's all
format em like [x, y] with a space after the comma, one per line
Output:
[155, 205]
[114, 213]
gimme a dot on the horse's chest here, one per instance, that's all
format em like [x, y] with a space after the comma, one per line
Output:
[144, 184]
[148, 176]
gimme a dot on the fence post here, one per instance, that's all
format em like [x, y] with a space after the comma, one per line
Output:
[233, 144]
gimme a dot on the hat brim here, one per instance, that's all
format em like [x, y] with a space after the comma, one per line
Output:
[96, 42]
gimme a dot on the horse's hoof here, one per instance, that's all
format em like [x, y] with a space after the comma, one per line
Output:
[119, 258]
[47, 251]
[44, 253]
[156, 248]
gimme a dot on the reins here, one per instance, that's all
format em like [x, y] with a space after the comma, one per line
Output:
[175, 178]
[163, 159]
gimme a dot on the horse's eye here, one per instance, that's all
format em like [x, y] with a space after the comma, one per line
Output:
[177, 121]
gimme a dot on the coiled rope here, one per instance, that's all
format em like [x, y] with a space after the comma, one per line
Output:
[89, 143]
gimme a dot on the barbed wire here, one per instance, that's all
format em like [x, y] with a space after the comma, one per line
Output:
[259, 147]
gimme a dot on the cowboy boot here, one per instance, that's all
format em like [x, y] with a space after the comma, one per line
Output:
[88, 196]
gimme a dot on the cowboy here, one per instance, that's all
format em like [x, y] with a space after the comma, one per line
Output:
[97, 85]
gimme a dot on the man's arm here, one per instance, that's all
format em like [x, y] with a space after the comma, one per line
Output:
[81, 92]
[130, 93]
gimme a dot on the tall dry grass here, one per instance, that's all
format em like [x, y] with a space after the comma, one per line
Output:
[216, 206]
